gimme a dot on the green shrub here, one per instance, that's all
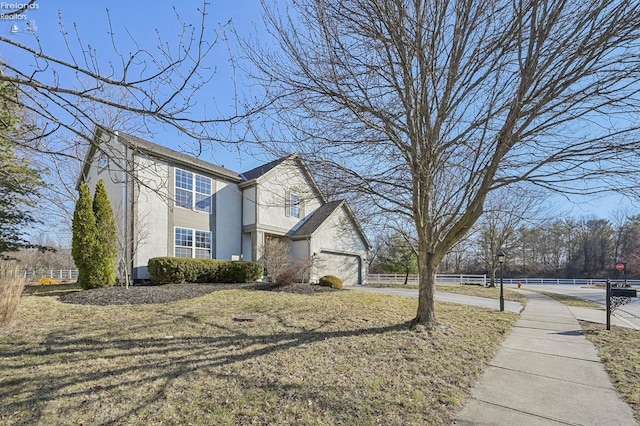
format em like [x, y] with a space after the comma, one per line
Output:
[165, 270]
[330, 281]
[94, 239]
[238, 271]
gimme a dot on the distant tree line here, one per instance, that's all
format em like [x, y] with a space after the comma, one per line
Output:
[562, 248]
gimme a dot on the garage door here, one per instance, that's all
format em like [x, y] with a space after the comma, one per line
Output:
[342, 266]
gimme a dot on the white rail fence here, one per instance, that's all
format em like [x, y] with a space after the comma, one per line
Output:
[440, 279]
[56, 274]
[393, 279]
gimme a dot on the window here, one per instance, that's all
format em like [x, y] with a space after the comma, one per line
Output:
[193, 191]
[203, 245]
[103, 163]
[294, 203]
[203, 194]
[192, 243]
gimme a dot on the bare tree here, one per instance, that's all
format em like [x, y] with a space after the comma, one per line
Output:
[426, 107]
[506, 211]
[159, 83]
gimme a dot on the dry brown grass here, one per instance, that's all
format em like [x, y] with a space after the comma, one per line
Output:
[619, 349]
[11, 286]
[331, 358]
[467, 290]
[479, 291]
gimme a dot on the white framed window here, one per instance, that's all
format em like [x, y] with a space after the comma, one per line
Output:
[103, 163]
[294, 204]
[193, 191]
[192, 243]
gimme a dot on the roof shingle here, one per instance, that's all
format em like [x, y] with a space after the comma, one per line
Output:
[317, 218]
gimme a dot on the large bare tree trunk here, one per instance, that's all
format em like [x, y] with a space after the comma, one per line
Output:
[426, 314]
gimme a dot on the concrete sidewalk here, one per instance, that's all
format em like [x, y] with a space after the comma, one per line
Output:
[545, 373]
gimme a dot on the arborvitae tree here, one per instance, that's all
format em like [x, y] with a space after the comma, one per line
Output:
[106, 251]
[84, 240]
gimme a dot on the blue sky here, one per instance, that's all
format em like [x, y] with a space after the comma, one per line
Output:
[137, 21]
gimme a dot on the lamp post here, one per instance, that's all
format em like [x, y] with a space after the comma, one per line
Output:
[501, 257]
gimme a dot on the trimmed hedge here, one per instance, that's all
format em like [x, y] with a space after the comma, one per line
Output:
[165, 270]
[330, 281]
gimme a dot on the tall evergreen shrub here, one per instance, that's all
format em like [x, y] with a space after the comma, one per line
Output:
[106, 237]
[84, 239]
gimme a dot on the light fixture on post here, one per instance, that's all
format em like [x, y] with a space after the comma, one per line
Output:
[501, 257]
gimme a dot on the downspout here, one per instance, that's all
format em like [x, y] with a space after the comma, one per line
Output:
[125, 210]
[132, 221]
[312, 259]
[241, 222]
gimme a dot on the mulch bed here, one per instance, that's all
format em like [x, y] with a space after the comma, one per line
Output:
[148, 294]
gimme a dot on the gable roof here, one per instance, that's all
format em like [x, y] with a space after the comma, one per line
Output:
[321, 215]
[177, 157]
[159, 152]
[318, 217]
[263, 169]
[250, 177]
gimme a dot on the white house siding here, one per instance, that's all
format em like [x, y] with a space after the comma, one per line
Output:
[228, 201]
[273, 189]
[151, 214]
[249, 206]
[247, 245]
[300, 250]
[340, 249]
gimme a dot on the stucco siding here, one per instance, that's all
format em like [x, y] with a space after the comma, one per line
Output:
[249, 206]
[228, 201]
[300, 249]
[340, 249]
[150, 238]
[338, 233]
[272, 197]
[247, 252]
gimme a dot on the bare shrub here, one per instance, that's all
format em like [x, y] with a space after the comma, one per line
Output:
[11, 286]
[280, 266]
[276, 257]
[286, 277]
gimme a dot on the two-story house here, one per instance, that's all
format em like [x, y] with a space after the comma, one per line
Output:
[167, 203]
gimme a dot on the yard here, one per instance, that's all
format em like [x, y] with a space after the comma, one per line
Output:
[344, 357]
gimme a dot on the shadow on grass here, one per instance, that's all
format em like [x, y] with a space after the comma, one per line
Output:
[63, 367]
[51, 290]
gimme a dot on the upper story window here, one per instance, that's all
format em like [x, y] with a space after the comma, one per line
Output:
[294, 205]
[193, 191]
[103, 162]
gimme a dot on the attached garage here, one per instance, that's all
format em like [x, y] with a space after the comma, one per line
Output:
[347, 267]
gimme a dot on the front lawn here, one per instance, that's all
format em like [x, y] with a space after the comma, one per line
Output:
[329, 358]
